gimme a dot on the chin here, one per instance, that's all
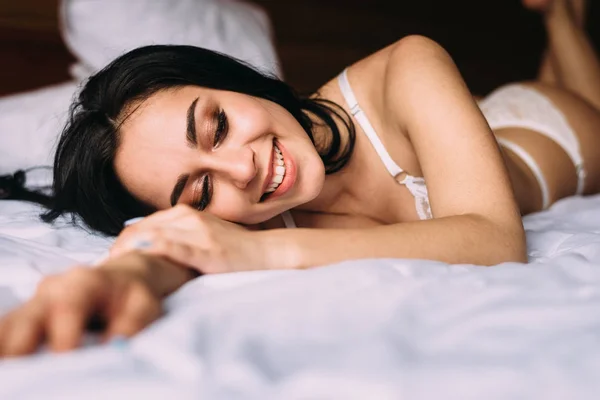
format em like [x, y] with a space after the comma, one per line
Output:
[313, 184]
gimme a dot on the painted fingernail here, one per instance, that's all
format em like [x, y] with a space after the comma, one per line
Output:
[141, 244]
[132, 221]
[119, 342]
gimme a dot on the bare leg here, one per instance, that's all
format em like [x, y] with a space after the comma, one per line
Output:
[547, 72]
[574, 60]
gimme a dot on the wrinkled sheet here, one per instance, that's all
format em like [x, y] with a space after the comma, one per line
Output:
[377, 329]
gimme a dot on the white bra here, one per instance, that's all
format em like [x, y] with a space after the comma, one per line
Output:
[415, 185]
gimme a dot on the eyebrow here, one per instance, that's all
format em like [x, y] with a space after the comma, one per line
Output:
[192, 141]
[192, 138]
[178, 188]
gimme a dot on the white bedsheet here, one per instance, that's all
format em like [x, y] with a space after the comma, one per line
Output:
[376, 329]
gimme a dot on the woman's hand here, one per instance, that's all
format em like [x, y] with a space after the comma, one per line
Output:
[120, 300]
[198, 240]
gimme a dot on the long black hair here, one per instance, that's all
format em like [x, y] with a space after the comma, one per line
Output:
[85, 182]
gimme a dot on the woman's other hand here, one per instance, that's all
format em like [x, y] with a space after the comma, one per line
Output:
[197, 240]
[120, 301]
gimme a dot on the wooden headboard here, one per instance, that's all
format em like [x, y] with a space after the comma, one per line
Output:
[492, 41]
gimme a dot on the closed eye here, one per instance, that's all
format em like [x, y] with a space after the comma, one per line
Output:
[222, 128]
[203, 200]
[205, 184]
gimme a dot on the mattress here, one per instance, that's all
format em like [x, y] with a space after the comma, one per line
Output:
[380, 328]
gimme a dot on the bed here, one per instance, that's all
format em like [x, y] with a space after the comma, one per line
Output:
[382, 329]
[364, 329]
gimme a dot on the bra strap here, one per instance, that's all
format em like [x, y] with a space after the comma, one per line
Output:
[288, 219]
[364, 122]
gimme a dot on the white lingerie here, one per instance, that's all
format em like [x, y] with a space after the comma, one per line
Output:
[514, 106]
[518, 106]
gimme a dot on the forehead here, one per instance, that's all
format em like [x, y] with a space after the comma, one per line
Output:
[162, 102]
[162, 115]
[152, 142]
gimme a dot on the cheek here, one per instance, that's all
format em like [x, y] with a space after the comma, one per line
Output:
[229, 204]
[254, 120]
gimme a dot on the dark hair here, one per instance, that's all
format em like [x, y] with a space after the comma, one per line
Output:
[85, 182]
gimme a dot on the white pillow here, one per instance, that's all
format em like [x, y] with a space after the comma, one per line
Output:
[30, 124]
[99, 31]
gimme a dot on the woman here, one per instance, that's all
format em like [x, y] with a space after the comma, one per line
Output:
[165, 126]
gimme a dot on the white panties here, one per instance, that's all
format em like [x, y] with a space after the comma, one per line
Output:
[518, 106]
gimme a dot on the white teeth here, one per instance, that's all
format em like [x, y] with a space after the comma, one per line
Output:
[278, 172]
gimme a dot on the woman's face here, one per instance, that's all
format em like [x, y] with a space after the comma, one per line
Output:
[241, 158]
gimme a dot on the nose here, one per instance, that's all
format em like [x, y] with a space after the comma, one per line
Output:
[237, 165]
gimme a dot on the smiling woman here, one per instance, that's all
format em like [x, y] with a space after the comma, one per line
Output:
[180, 111]
[393, 158]
[227, 175]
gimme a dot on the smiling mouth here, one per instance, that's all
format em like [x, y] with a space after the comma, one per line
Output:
[278, 173]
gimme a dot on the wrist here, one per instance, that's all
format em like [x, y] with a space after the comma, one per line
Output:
[132, 263]
[162, 276]
[281, 249]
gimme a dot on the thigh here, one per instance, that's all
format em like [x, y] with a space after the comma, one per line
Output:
[555, 165]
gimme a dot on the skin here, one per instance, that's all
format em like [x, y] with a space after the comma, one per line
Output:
[239, 164]
[429, 123]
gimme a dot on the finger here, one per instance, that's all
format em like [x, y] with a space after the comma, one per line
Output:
[162, 216]
[71, 303]
[137, 309]
[139, 239]
[22, 332]
[180, 216]
[180, 247]
[5, 326]
[154, 240]
[66, 324]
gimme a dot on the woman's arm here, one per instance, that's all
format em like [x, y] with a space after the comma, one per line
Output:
[476, 217]
[467, 238]
[120, 298]
[161, 275]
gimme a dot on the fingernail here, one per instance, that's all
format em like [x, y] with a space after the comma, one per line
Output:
[141, 244]
[119, 342]
[132, 221]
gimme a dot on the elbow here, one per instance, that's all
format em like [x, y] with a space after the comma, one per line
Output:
[504, 242]
[515, 252]
[511, 246]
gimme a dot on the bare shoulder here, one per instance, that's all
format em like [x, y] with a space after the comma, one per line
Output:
[411, 61]
[377, 77]
[414, 48]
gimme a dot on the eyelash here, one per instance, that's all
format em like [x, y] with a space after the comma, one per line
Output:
[222, 127]
[220, 135]
[206, 194]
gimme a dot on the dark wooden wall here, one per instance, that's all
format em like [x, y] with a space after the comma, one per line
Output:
[492, 41]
